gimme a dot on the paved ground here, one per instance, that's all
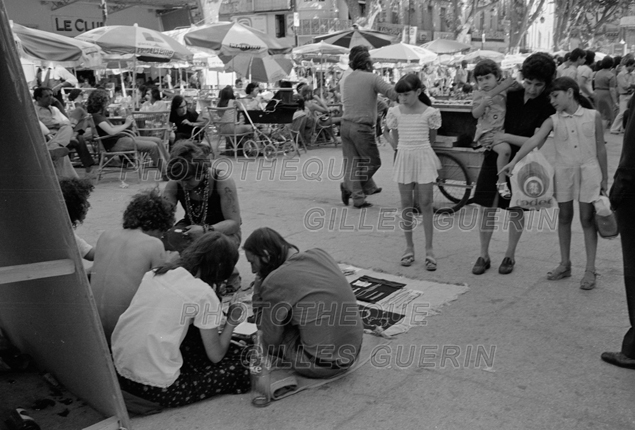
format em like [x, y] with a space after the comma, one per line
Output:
[545, 338]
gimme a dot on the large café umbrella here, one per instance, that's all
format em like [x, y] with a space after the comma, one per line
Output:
[267, 69]
[355, 36]
[245, 50]
[446, 46]
[229, 39]
[45, 46]
[142, 43]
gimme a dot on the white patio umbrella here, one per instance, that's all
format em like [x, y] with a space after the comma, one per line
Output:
[484, 54]
[446, 46]
[46, 46]
[402, 53]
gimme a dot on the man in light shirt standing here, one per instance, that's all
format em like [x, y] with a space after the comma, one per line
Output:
[625, 87]
[361, 155]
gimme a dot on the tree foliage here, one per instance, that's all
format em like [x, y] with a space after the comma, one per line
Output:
[463, 13]
[523, 13]
[584, 18]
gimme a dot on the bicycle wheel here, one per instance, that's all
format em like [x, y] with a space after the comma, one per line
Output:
[288, 149]
[251, 149]
[453, 187]
[270, 151]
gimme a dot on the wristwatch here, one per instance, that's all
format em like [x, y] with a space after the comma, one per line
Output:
[208, 227]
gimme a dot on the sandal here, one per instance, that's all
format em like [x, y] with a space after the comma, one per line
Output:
[407, 259]
[431, 264]
[560, 272]
[588, 280]
[503, 190]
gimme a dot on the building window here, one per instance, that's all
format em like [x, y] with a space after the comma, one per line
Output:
[281, 26]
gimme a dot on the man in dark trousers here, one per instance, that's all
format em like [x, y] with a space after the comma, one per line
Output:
[622, 197]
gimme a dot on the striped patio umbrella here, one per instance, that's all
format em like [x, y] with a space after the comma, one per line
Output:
[144, 44]
[354, 37]
[45, 46]
[267, 69]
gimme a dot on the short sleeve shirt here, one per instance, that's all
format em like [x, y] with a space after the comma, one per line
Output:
[148, 335]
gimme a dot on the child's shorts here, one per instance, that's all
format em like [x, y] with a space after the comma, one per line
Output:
[581, 183]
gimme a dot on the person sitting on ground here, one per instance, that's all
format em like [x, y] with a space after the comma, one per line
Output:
[115, 140]
[76, 192]
[167, 346]
[124, 254]
[57, 123]
[209, 198]
[207, 195]
[185, 118]
[304, 306]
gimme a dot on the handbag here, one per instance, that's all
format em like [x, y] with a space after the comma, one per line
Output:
[605, 219]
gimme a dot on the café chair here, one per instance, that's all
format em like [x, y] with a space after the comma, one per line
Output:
[108, 160]
[219, 117]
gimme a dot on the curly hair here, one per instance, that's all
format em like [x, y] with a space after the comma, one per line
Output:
[149, 211]
[212, 255]
[97, 101]
[76, 192]
[539, 66]
[269, 246]
[187, 160]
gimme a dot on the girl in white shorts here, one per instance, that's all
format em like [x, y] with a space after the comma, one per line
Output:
[580, 171]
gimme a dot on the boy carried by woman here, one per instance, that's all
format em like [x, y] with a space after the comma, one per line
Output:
[489, 106]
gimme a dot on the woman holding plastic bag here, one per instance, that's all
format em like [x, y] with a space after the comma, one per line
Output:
[580, 171]
[526, 110]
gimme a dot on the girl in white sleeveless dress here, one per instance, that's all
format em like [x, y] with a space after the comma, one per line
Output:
[580, 171]
[416, 164]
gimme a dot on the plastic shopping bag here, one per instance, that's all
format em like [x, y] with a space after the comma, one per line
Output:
[532, 183]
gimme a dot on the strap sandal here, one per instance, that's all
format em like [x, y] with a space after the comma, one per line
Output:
[431, 264]
[407, 259]
[503, 190]
[560, 272]
[588, 280]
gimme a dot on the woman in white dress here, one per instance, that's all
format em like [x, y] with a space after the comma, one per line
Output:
[416, 164]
